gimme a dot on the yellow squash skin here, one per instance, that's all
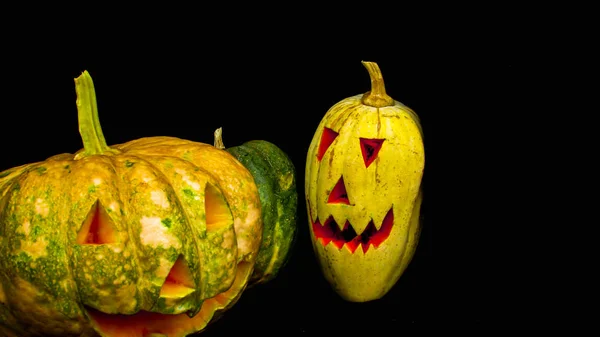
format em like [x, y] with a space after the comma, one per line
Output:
[391, 181]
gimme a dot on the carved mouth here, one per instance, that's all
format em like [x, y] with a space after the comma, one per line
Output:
[146, 324]
[140, 324]
[330, 232]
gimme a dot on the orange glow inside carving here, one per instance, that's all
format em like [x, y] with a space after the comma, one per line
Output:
[97, 229]
[146, 324]
[216, 209]
[179, 282]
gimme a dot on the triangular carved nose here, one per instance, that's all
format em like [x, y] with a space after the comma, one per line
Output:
[338, 194]
[179, 281]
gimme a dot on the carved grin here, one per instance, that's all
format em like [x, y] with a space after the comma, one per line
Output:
[145, 323]
[330, 232]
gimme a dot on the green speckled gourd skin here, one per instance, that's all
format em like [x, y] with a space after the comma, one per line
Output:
[154, 194]
[275, 177]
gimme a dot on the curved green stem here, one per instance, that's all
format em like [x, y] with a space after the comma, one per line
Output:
[89, 123]
[377, 97]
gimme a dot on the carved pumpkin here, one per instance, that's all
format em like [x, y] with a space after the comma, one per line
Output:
[363, 191]
[147, 238]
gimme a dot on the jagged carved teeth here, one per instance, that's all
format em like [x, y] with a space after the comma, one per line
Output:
[329, 232]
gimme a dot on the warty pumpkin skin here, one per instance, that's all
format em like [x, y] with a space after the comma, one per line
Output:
[153, 236]
[363, 191]
[275, 176]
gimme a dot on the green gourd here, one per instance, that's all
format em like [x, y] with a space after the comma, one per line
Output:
[275, 177]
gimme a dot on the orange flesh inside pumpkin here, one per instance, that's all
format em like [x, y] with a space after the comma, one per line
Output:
[217, 211]
[179, 282]
[144, 323]
[97, 228]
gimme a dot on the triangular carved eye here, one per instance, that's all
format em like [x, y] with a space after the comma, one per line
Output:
[97, 229]
[179, 282]
[327, 138]
[369, 149]
[218, 214]
[339, 195]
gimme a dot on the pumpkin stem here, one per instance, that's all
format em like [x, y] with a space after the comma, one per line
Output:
[377, 97]
[219, 139]
[89, 123]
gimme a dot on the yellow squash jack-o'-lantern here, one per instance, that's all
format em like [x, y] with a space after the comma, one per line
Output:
[363, 191]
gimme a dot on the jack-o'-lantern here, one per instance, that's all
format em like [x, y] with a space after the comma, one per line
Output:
[153, 237]
[363, 177]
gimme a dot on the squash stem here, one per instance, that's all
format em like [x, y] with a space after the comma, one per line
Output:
[376, 97]
[219, 139]
[89, 123]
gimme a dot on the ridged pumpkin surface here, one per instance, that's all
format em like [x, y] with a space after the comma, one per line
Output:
[148, 237]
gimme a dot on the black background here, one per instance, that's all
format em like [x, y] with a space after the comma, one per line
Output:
[261, 84]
